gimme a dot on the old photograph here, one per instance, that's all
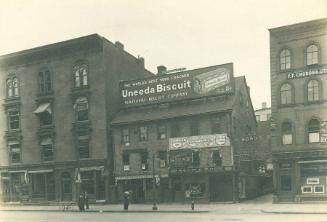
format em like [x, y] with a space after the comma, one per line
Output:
[175, 110]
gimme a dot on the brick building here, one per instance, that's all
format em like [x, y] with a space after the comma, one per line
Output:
[298, 62]
[175, 145]
[57, 101]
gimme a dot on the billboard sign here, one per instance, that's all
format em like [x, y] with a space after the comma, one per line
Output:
[302, 73]
[178, 86]
[201, 141]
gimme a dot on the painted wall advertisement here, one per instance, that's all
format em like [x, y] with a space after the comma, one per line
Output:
[307, 72]
[201, 141]
[178, 86]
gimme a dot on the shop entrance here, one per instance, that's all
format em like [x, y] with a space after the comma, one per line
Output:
[220, 188]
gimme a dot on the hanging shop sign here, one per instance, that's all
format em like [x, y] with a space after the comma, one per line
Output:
[178, 86]
[201, 141]
[307, 72]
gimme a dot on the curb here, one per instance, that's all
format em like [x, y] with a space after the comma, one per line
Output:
[290, 212]
[110, 211]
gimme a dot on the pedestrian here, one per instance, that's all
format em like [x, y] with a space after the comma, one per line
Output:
[86, 199]
[192, 204]
[126, 200]
[81, 202]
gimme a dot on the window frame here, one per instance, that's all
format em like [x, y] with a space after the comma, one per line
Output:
[9, 119]
[162, 131]
[12, 91]
[323, 189]
[125, 138]
[81, 74]
[306, 186]
[285, 59]
[316, 90]
[287, 94]
[162, 159]
[312, 53]
[194, 127]
[144, 161]
[281, 183]
[84, 101]
[287, 132]
[11, 147]
[45, 81]
[316, 131]
[83, 142]
[144, 136]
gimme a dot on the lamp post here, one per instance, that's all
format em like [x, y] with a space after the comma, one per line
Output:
[154, 207]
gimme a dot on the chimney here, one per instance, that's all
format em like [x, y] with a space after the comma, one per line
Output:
[140, 60]
[161, 70]
[119, 45]
[264, 105]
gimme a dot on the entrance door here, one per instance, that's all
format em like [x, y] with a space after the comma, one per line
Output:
[137, 190]
[66, 187]
[220, 187]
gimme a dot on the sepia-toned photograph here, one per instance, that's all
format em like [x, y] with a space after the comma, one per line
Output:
[163, 110]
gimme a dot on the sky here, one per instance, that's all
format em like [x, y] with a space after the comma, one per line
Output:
[175, 33]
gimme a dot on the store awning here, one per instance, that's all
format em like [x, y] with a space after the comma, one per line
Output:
[41, 171]
[132, 177]
[44, 107]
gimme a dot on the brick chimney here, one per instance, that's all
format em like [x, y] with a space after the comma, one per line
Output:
[161, 70]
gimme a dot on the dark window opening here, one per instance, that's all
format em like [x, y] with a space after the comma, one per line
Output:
[125, 136]
[285, 183]
[13, 120]
[162, 132]
[143, 131]
[194, 127]
[216, 158]
[195, 158]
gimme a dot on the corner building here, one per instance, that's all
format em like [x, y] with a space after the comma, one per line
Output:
[57, 101]
[298, 60]
[185, 144]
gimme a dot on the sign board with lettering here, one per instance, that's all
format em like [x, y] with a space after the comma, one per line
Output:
[201, 141]
[302, 73]
[178, 86]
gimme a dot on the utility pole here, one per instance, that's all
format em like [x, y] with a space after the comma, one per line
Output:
[154, 207]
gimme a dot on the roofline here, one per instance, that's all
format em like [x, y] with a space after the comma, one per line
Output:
[297, 25]
[262, 109]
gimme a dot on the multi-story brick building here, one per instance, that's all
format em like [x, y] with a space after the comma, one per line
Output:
[298, 62]
[57, 101]
[185, 130]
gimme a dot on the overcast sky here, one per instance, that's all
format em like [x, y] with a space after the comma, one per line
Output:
[174, 33]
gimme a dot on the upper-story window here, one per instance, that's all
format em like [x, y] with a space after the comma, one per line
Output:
[83, 144]
[314, 131]
[313, 90]
[80, 75]
[287, 133]
[285, 59]
[12, 87]
[194, 127]
[13, 120]
[143, 133]
[312, 55]
[215, 125]
[82, 109]
[15, 151]
[45, 83]
[162, 132]
[125, 136]
[47, 149]
[216, 157]
[44, 112]
[286, 94]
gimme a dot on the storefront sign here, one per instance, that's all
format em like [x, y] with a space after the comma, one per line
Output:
[202, 141]
[307, 72]
[177, 86]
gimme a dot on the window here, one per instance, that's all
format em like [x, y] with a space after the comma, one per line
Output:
[285, 59]
[162, 132]
[125, 136]
[194, 127]
[162, 159]
[12, 87]
[15, 151]
[195, 158]
[47, 149]
[216, 158]
[143, 133]
[313, 90]
[45, 85]
[82, 109]
[83, 145]
[126, 161]
[318, 189]
[314, 131]
[44, 112]
[306, 189]
[88, 183]
[13, 120]
[312, 55]
[144, 161]
[175, 129]
[286, 94]
[287, 134]
[285, 183]
[80, 75]
[215, 125]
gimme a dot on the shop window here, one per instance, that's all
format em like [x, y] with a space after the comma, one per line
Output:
[162, 159]
[194, 127]
[216, 158]
[286, 94]
[14, 123]
[88, 182]
[47, 149]
[215, 125]
[83, 142]
[175, 129]
[143, 133]
[12, 87]
[314, 131]
[162, 132]
[313, 90]
[125, 137]
[285, 59]
[66, 185]
[195, 158]
[126, 161]
[285, 183]
[144, 160]
[306, 189]
[45, 84]
[82, 109]
[15, 151]
[318, 189]
[80, 75]
[287, 134]
[312, 55]
[44, 112]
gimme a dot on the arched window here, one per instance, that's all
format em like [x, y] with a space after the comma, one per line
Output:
[286, 94]
[45, 84]
[285, 59]
[81, 75]
[287, 133]
[12, 87]
[312, 55]
[313, 90]
[314, 131]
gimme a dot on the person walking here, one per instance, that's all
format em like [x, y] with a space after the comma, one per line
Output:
[81, 202]
[86, 200]
[126, 200]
